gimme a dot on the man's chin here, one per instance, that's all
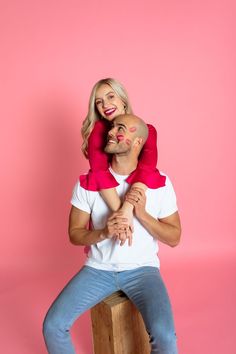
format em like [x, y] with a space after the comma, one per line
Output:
[109, 149]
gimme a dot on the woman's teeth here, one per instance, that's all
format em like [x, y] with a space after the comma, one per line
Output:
[108, 112]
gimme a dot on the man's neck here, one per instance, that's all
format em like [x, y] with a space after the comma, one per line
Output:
[123, 165]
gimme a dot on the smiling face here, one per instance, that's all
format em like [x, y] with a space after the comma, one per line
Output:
[108, 103]
[122, 135]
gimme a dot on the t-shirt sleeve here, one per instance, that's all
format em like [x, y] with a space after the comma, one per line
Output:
[169, 203]
[80, 198]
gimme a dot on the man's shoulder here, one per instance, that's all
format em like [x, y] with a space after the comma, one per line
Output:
[78, 187]
[164, 190]
[168, 181]
[81, 198]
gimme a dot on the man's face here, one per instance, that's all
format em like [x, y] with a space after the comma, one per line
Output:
[121, 136]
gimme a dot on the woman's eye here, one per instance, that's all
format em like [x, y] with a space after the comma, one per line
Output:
[98, 102]
[111, 97]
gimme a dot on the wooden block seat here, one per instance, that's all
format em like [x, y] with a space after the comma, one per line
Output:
[118, 327]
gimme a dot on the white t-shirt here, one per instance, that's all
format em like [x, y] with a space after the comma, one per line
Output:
[108, 254]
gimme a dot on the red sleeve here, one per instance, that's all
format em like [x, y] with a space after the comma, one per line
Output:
[99, 177]
[148, 156]
[98, 159]
[146, 171]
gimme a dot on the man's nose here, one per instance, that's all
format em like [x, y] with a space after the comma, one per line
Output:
[111, 132]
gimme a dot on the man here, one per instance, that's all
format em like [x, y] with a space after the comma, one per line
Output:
[132, 268]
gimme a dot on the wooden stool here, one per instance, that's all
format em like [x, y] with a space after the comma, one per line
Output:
[118, 327]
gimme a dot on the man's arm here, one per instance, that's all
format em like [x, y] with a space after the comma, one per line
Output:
[80, 234]
[166, 230]
[78, 229]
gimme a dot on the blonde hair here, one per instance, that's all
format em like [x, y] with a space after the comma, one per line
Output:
[93, 114]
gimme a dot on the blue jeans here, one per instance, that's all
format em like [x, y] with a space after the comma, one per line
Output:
[143, 286]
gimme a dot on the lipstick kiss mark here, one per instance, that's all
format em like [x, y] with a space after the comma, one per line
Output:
[132, 129]
[120, 137]
[128, 142]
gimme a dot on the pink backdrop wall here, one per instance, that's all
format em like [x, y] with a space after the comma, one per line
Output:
[177, 61]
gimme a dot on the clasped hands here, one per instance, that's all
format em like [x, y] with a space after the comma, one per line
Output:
[120, 223]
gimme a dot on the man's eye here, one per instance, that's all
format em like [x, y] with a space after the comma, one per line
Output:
[110, 97]
[120, 129]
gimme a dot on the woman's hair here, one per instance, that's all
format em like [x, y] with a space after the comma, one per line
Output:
[93, 114]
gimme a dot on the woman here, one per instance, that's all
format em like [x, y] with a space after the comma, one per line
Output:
[109, 99]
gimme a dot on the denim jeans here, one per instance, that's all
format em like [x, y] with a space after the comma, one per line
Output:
[143, 286]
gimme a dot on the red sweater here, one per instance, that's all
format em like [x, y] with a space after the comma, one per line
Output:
[99, 176]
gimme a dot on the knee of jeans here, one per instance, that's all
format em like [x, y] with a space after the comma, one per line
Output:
[52, 325]
[162, 338]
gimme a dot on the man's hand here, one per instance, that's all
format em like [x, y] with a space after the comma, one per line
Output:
[118, 226]
[136, 196]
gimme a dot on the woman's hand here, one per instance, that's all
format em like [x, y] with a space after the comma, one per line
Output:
[137, 197]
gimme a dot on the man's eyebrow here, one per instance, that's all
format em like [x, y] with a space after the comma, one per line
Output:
[121, 125]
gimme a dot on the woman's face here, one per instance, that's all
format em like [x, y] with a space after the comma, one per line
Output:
[108, 103]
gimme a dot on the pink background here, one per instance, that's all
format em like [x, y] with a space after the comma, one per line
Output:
[177, 61]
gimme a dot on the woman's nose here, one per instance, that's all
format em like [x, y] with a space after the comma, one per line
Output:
[104, 103]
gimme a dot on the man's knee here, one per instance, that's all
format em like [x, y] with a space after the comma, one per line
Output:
[48, 327]
[52, 326]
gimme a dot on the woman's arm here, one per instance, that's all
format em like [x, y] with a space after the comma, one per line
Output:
[146, 171]
[99, 177]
